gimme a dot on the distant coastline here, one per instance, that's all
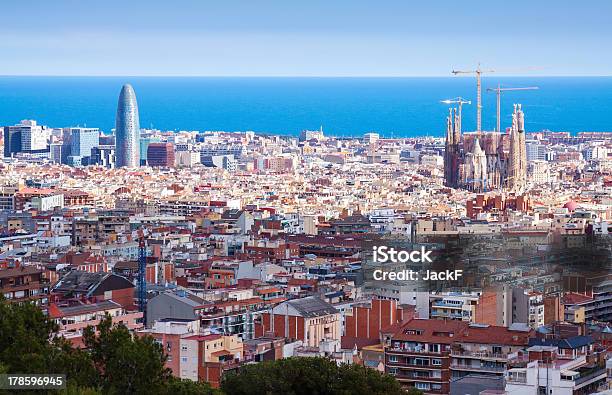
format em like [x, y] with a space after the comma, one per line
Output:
[345, 106]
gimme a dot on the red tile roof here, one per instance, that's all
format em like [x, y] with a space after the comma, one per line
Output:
[431, 331]
[574, 298]
[494, 335]
[203, 337]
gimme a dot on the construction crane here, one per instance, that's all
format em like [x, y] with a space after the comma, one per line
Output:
[457, 100]
[142, 267]
[478, 73]
[499, 90]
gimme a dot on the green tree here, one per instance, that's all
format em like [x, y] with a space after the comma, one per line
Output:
[359, 380]
[187, 387]
[28, 345]
[126, 364]
[25, 334]
[308, 376]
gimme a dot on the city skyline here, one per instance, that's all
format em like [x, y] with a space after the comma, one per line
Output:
[344, 107]
[318, 39]
[236, 198]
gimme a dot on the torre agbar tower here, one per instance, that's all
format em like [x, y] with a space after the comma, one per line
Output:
[127, 129]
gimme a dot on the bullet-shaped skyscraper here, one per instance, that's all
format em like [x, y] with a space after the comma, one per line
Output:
[127, 129]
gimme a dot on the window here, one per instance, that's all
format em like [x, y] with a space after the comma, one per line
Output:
[392, 358]
[436, 362]
[434, 348]
[421, 386]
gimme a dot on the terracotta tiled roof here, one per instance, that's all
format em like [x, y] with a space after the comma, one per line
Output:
[431, 331]
[494, 335]
[574, 298]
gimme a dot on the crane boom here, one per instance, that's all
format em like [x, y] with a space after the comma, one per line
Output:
[478, 73]
[457, 100]
[499, 90]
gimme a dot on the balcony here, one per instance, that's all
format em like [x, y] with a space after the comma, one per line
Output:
[416, 350]
[400, 375]
[516, 377]
[480, 355]
[478, 367]
[590, 374]
[452, 315]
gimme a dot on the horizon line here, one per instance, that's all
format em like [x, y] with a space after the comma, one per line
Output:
[300, 76]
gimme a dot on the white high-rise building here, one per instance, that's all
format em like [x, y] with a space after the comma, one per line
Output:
[535, 150]
[371, 138]
[539, 172]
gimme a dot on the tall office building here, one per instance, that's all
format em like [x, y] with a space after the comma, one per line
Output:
[127, 129]
[78, 143]
[160, 154]
[103, 155]
[535, 150]
[146, 139]
[33, 137]
[26, 136]
[12, 141]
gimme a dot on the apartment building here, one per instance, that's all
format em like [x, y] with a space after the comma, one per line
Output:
[25, 283]
[209, 357]
[73, 318]
[95, 287]
[547, 372]
[168, 333]
[419, 354]
[481, 352]
[455, 306]
[309, 319]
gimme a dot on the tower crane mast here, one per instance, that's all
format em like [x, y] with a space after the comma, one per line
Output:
[498, 91]
[142, 267]
[478, 73]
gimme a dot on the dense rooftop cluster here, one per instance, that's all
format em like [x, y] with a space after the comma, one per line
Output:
[255, 249]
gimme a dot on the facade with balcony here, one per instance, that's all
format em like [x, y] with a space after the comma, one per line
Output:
[419, 354]
[453, 306]
[482, 352]
[546, 373]
[25, 284]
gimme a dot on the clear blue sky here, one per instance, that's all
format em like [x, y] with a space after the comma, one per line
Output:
[305, 38]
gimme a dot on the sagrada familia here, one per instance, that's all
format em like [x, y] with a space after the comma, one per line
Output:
[485, 161]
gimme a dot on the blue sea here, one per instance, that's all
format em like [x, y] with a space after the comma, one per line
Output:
[394, 107]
